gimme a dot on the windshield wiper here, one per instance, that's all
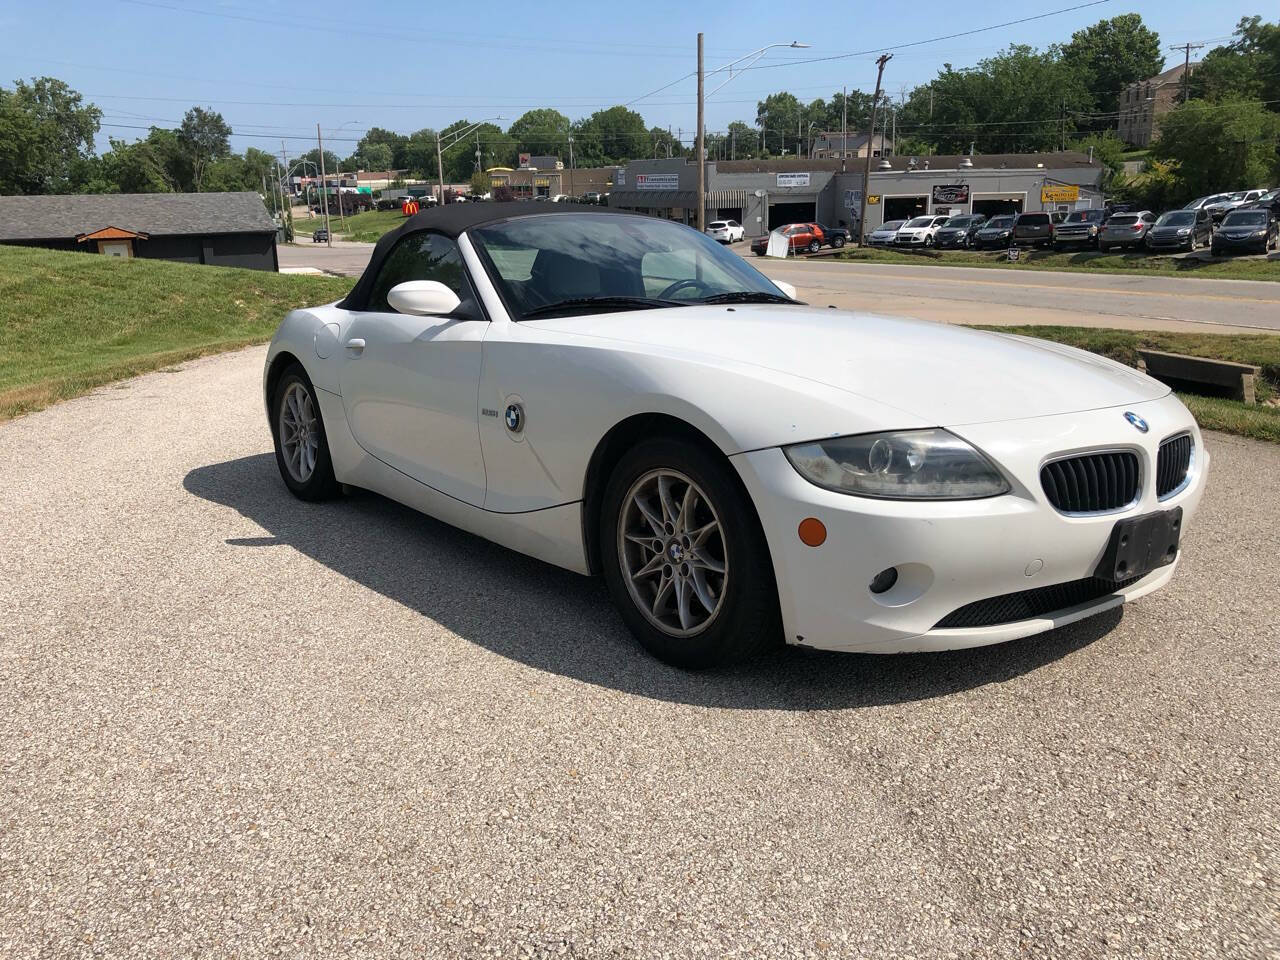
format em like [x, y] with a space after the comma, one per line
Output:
[587, 303]
[748, 296]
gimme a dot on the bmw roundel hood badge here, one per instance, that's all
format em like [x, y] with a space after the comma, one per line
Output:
[514, 417]
[1138, 423]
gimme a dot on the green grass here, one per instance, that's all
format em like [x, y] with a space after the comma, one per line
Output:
[1085, 261]
[365, 227]
[1260, 421]
[70, 322]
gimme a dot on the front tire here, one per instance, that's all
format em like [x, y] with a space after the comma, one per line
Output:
[814, 246]
[302, 449]
[684, 557]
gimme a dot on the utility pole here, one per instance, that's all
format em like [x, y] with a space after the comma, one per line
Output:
[440, 168]
[702, 166]
[866, 170]
[844, 126]
[1186, 49]
[571, 193]
[324, 189]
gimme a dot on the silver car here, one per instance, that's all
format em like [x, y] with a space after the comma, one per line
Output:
[882, 236]
[1220, 208]
[1126, 230]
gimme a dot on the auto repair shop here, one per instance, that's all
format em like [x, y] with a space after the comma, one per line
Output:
[764, 194]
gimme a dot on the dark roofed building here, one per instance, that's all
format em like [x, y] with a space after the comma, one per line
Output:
[222, 229]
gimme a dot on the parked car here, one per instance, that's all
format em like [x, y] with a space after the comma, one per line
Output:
[726, 231]
[883, 235]
[1245, 231]
[919, 232]
[1181, 230]
[1268, 201]
[591, 197]
[996, 232]
[1240, 198]
[959, 231]
[1205, 201]
[800, 236]
[1058, 216]
[320, 236]
[737, 477]
[1080, 228]
[835, 237]
[562, 198]
[1126, 230]
[1033, 229]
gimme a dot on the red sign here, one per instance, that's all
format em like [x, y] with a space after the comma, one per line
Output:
[524, 159]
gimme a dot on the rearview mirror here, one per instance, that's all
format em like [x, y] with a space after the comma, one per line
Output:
[422, 298]
[786, 288]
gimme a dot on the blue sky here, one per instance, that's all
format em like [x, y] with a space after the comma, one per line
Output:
[273, 71]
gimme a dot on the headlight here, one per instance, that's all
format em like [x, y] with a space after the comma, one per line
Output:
[900, 465]
[1092, 231]
[1184, 231]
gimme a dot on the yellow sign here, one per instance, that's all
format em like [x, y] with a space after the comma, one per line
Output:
[541, 182]
[1060, 193]
[873, 198]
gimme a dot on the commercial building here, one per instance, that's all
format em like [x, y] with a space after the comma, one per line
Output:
[221, 229]
[1144, 102]
[837, 146]
[764, 194]
[535, 181]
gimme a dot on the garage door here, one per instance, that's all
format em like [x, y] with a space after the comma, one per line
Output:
[904, 208]
[994, 206]
[781, 214]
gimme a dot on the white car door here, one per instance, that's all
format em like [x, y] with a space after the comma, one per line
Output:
[409, 383]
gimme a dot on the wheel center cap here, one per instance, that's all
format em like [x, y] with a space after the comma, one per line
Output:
[675, 551]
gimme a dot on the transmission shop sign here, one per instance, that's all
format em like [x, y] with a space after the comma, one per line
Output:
[951, 193]
[657, 181]
[793, 179]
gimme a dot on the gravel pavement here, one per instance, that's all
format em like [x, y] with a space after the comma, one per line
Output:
[237, 725]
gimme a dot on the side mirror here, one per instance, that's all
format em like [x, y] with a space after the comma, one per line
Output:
[786, 288]
[422, 298]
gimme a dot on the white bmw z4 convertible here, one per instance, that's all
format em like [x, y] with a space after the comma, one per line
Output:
[621, 395]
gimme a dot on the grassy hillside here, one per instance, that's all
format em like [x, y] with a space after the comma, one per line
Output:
[70, 322]
[365, 227]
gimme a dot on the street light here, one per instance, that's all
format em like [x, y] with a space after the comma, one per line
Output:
[454, 139]
[702, 132]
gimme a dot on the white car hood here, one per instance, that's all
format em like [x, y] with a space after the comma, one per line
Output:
[947, 375]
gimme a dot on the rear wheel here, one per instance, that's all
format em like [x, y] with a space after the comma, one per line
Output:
[684, 557]
[302, 449]
[814, 246]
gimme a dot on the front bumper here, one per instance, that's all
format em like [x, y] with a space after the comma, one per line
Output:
[1251, 244]
[1161, 242]
[953, 553]
[915, 240]
[948, 241]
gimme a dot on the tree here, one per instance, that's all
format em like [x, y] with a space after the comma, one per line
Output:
[744, 141]
[779, 115]
[420, 152]
[1110, 55]
[1248, 68]
[1022, 100]
[460, 157]
[47, 133]
[663, 143]
[1220, 146]
[205, 137]
[611, 136]
[377, 156]
[131, 168]
[312, 157]
[542, 131]
[480, 183]
[396, 144]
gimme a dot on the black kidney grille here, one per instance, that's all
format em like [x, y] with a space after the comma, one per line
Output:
[1093, 483]
[1028, 604]
[1172, 464]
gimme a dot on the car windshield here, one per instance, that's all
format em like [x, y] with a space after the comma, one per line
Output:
[1176, 218]
[717, 224]
[1246, 218]
[1084, 216]
[1033, 219]
[920, 222]
[892, 225]
[999, 223]
[1123, 220]
[609, 262]
[960, 221]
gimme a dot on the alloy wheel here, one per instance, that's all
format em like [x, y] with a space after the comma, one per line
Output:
[672, 553]
[299, 432]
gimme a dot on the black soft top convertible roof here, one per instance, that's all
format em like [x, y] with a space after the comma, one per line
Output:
[454, 219]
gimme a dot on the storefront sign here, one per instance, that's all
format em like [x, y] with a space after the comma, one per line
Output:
[873, 198]
[657, 181]
[524, 159]
[793, 179]
[1060, 193]
[620, 177]
[951, 193]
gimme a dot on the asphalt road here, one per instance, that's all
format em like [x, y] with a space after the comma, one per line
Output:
[974, 294]
[235, 724]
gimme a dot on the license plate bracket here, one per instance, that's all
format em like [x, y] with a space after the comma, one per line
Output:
[1139, 545]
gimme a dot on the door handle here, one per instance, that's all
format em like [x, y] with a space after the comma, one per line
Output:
[356, 346]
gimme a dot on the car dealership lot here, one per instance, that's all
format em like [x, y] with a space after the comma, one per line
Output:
[234, 723]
